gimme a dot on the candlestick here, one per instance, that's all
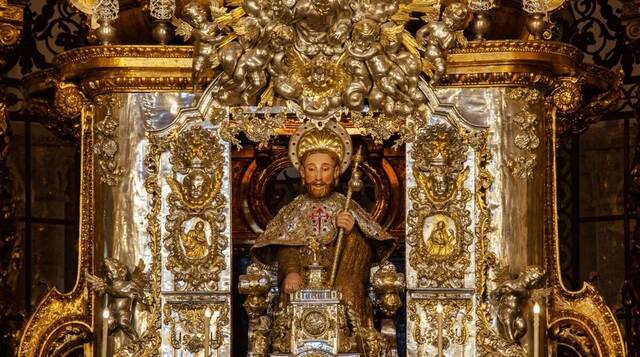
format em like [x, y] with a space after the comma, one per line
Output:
[207, 328]
[536, 328]
[105, 332]
[439, 311]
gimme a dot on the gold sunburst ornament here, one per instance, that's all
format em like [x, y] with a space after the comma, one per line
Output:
[319, 77]
[331, 138]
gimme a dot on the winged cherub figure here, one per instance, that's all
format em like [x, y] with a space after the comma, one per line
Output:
[441, 36]
[207, 36]
[123, 294]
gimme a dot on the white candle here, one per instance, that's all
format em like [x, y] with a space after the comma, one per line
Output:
[439, 311]
[536, 330]
[207, 334]
[105, 332]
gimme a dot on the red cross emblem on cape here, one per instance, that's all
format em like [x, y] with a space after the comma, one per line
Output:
[320, 219]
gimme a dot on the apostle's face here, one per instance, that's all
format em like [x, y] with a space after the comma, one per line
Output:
[320, 172]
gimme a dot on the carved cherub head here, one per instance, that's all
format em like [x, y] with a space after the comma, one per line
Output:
[454, 16]
[116, 271]
[532, 276]
[248, 30]
[195, 14]
[281, 36]
[196, 183]
[365, 32]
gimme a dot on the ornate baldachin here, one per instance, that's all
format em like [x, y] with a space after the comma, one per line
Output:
[330, 58]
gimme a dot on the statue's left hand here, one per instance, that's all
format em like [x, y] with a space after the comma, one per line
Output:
[345, 221]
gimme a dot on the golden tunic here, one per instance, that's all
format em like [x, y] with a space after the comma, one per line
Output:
[284, 245]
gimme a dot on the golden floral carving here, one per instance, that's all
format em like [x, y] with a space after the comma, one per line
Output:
[187, 321]
[68, 100]
[567, 97]
[11, 12]
[257, 129]
[196, 219]
[378, 126]
[526, 140]
[579, 120]
[438, 220]
[149, 343]
[497, 79]
[573, 334]
[67, 337]
[302, 71]
[136, 82]
[106, 145]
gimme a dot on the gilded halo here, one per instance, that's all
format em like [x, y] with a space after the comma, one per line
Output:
[332, 137]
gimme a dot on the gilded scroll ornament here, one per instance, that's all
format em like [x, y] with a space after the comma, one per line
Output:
[187, 323]
[527, 139]
[9, 35]
[439, 220]
[378, 126]
[257, 129]
[68, 100]
[454, 323]
[68, 337]
[567, 97]
[570, 333]
[150, 341]
[196, 220]
[123, 294]
[106, 145]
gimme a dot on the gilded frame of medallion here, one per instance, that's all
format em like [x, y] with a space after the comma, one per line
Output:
[439, 196]
[442, 169]
[195, 256]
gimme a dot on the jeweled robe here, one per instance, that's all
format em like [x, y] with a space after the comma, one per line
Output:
[285, 243]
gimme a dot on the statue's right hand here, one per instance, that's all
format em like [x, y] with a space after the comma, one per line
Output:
[292, 283]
